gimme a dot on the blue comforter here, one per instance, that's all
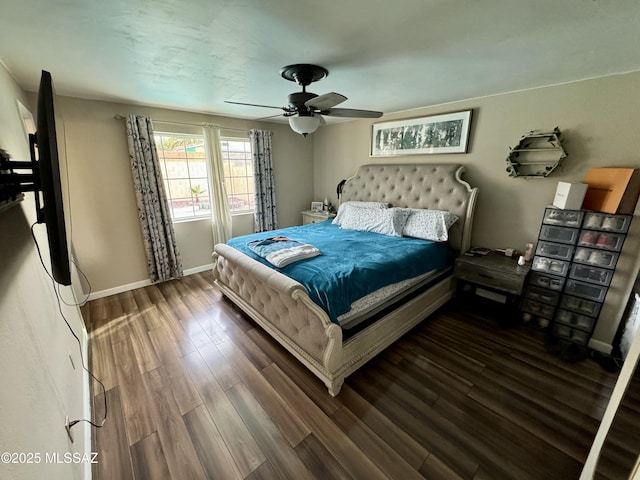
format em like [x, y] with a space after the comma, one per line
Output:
[352, 263]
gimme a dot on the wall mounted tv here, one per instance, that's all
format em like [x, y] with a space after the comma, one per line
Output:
[42, 178]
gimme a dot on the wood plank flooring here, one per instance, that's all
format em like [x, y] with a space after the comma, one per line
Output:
[196, 390]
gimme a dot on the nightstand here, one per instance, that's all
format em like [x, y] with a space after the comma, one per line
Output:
[492, 276]
[310, 216]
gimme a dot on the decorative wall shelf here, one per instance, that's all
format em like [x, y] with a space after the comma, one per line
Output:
[536, 155]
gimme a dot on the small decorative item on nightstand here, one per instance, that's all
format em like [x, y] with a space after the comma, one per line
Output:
[528, 252]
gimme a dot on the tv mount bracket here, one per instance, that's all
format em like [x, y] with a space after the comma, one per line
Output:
[13, 185]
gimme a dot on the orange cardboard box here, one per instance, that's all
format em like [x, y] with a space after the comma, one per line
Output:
[612, 190]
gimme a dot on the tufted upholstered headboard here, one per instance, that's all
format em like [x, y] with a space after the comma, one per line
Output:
[432, 186]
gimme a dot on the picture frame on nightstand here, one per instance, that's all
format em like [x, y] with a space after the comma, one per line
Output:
[316, 206]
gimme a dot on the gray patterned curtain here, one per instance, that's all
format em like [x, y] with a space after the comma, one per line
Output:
[265, 196]
[163, 258]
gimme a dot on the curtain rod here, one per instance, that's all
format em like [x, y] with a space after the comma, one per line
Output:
[117, 116]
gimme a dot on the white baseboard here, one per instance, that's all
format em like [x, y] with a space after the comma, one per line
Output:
[119, 289]
[142, 283]
[600, 346]
[201, 268]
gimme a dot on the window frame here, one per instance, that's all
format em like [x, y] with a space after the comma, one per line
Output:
[166, 179]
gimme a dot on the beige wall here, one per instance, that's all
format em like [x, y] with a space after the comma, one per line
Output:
[106, 232]
[599, 121]
[38, 384]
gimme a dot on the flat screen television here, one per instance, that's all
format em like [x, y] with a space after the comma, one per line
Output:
[44, 180]
[52, 213]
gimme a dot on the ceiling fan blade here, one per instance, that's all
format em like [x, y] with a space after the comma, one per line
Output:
[255, 105]
[350, 112]
[323, 122]
[270, 116]
[326, 101]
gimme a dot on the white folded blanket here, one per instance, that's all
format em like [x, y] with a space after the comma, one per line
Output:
[282, 258]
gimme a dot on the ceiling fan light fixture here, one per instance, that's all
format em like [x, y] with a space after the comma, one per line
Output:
[306, 110]
[304, 124]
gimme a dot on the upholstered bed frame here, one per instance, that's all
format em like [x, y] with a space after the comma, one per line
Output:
[282, 307]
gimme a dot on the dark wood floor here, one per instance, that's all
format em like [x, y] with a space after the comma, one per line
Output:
[196, 390]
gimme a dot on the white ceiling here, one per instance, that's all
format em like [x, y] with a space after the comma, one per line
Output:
[384, 55]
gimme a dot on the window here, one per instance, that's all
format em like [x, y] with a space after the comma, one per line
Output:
[184, 169]
[238, 174]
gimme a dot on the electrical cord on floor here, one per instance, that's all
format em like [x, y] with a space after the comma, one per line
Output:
[104, 392]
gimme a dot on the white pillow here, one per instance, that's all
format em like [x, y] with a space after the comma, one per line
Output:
[387, 221]
[430, 225]
[347, 205]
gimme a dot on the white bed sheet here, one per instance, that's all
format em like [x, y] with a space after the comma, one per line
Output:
[375, 300]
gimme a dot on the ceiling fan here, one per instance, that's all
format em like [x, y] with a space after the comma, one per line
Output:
[305, 110]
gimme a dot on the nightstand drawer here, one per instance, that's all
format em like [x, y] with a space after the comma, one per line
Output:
[310, 216]
[306, 220]
[511, 283]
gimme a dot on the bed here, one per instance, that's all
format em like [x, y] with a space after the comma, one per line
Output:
[284, 308]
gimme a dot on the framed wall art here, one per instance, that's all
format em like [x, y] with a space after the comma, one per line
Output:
[446, 133]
